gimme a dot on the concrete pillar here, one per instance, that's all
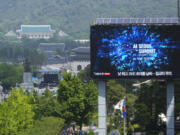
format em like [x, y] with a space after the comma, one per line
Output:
[170, 109]
[102, 129]
[178, 11]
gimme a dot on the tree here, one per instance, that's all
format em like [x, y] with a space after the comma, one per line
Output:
[130, 110]
[46, 126]
[78, 100]
[16, 113]
[153, 98]
[117, 120]
[46, 105]
[16, 51]
[37, 57]
[115, 92]
[90, 102]
[84, 75]
[142, 116]
[10, 75]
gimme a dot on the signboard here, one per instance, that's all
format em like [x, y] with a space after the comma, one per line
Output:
[135, 51]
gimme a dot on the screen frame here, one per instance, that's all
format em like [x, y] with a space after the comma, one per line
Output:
[127, 77]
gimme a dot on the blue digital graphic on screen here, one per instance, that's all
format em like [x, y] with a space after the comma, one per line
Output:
[135, 50]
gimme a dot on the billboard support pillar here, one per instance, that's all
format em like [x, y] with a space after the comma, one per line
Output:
[102, 129]
[170, 108]
[178, 11]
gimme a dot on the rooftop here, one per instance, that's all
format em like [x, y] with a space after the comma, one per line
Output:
[10, 34]
[82, 50]
[35, 28]
[100, 21]
[52, 46]
[49, 70]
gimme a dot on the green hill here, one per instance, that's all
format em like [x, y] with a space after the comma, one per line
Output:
[75, 16]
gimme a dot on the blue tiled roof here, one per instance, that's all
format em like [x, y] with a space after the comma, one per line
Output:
[36, 28]
[49, 70]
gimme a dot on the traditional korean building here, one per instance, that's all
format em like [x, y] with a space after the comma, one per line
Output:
[81, 59]
[50, 50]
[11, 34]
[35, 31]
[81, 54]
[73, 63]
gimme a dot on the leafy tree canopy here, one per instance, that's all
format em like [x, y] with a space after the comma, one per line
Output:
[115, 93]
[84, 75]
[46, 105]
[46, 126]
[78, 100]
[150, 103]
[10, 75]
[16, 113]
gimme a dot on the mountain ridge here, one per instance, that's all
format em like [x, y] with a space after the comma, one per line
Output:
[75, 16]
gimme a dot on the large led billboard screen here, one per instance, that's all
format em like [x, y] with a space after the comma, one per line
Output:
[135, 51]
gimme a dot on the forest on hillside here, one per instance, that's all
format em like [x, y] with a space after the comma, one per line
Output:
[75, 16]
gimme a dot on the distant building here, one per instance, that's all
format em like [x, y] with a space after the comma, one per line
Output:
[50, 50]
[56, 59]
[35, 31]
[74, 63]
[46, 78]
[80, 60]
[11, 34]
[82, 41]
[81, 54]
[63, 34]
[3, 95]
